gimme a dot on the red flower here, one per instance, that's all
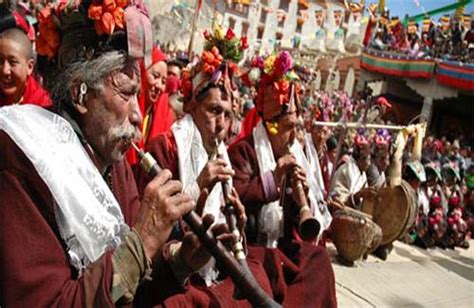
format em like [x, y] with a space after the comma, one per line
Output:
[207, 35]
[107, 23]
[122, 3]
[281, 89]
[119, 17]
[230, 34]
[95, 12]
[109, 5]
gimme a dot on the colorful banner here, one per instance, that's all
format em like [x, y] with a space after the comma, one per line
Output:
[399, 66]
[456, 75]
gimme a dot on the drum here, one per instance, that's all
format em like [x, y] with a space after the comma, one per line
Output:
[354, 233]
[393, 209]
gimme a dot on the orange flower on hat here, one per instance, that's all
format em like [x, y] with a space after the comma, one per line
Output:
[48, 39]
[186, 83]
[211, 60]
[119, 17]
[109, 5]
[95, 12]
[108, 15]
[281, 90]
[122, 3]
[107, 23]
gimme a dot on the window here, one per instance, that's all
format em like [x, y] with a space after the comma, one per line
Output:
[284, 5]
[231, 23]
[260, 32]
[263, 16]
[245, 29]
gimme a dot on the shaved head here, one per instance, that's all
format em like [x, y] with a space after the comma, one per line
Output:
[19, 37]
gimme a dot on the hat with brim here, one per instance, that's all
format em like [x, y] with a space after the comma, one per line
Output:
[417, 169]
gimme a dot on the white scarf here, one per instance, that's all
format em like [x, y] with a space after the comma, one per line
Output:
[313, 159]
[271, 215]
[192, 160]
[89, 217]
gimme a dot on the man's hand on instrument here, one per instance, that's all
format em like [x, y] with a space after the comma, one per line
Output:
[239, 210]
[284, 164]
[193, 253]
[215, 171]
[298, 175]
[366, 193]
[162, 205]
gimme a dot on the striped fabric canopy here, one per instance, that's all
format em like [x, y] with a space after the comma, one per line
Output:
[455, 74]
[397, 65]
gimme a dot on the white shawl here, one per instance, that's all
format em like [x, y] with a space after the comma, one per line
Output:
[89, 217]
[271, 216]
[192, 160]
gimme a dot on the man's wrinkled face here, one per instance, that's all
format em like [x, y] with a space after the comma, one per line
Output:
[213, 115]
[112, 117]
[287, 132]
[15, 67]
[156, 76]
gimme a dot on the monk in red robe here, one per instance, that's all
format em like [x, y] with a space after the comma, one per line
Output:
[74, 232]
[153, 101]
[263, 162]
[17, 84]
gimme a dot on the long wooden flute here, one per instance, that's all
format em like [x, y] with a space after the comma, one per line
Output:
[225, 262]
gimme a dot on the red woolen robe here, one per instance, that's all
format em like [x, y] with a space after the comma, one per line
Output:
[34, 269]
[301, 278]
[314, 279]
[34, 94]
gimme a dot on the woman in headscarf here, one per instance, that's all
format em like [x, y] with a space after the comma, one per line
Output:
[153, 101]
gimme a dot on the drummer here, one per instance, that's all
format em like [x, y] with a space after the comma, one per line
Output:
[349, 183]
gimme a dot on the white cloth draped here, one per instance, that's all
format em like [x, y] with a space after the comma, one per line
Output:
[192, 160]
[271, 215]
[347, 180]
[89, 217]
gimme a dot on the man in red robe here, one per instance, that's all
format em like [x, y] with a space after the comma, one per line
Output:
[186, 151]
[262, 165]
[73, 230]
[17, 84]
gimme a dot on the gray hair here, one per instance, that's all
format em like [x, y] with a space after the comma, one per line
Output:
[92, 73]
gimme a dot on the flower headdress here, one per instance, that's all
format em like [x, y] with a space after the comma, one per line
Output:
[382, 138]
[276, 86]
[71, 30]
[218, 62]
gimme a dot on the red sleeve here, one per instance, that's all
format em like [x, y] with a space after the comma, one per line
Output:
[247, 180]
[34, 269]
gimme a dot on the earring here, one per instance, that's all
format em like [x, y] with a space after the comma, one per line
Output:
[82, 92]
